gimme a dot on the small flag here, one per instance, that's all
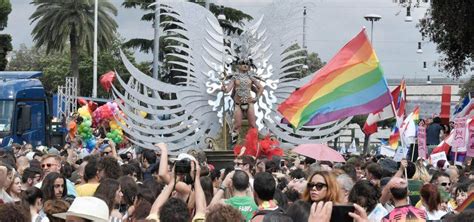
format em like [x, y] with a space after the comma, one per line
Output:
[445, 144]
[394, 137]
[370, 125]
[416, 113]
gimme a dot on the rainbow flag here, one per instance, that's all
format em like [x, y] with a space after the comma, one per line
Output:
[394, 137]
[352, 83]
[467, 204]
[416, 113]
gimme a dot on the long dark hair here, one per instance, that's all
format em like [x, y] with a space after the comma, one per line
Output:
[106, 192]
[48, 186]
[29, 196]
[206, 184]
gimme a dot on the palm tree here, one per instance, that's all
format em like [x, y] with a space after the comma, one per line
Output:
[60, 21]
[235, 18]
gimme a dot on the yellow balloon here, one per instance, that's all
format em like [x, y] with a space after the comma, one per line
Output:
[143, 114]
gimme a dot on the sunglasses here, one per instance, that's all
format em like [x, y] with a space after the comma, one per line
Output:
[319, 186]
[47, 165]
[445, 184]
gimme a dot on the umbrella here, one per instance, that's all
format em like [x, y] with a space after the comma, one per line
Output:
[319, 152]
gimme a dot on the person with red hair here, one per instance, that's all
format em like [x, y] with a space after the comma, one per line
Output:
[431, 199]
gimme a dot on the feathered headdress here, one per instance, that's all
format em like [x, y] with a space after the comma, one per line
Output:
[256, 148]
[243, 47]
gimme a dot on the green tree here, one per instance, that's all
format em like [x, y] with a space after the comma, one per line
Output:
[61, 21]
[5, 39]
[467, 87]
[313, 62]
[450, 24]
[234, 19]
[55, 66]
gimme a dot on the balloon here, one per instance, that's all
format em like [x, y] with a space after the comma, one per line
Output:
[106, 80]
[90, 144]
[86, 128]
[92, 106]
[82, 101]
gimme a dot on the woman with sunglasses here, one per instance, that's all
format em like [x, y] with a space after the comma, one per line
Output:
[322, 186]
[54, 187]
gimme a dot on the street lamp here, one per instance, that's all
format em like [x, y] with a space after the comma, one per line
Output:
[372, 18]
[408, 18]
[419, 50]
[221, 15]
[305, 67]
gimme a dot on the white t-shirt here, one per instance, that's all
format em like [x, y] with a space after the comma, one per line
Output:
[434, 215]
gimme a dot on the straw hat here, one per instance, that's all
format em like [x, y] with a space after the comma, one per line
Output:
[90, 208]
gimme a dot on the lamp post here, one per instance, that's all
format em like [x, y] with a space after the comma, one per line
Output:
[96, 18]
[221, 17]
[304, 68]
[372, 18]
[156, 42]
[419, 50]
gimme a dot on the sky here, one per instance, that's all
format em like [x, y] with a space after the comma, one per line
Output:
[330, 24]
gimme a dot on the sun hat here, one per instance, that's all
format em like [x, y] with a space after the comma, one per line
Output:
[90, 208]
[30, 155]
[185, 156]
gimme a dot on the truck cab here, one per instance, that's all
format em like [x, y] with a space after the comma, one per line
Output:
[24, 111]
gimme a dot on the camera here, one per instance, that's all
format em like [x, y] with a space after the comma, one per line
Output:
[183, 166]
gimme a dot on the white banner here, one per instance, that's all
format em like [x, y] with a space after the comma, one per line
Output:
[437, 157]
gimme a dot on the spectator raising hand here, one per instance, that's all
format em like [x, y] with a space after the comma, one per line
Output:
[320, 212]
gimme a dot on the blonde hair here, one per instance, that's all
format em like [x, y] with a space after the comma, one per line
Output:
[421, 173]
[333, 188]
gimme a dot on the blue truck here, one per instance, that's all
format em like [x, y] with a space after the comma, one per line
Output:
[26, 111]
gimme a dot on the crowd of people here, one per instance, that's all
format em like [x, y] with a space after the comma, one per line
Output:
[120, 184]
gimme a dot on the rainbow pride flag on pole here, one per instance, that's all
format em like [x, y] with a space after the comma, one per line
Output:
[352, 83]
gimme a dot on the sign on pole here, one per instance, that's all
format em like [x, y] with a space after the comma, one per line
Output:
[470, 144]
[437, 157]
[422, 149]
[459, 133]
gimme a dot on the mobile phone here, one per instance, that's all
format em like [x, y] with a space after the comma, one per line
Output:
[341, 213]
[106, 141]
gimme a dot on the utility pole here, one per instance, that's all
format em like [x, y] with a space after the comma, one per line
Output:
[304, 68]
[96, 20]
[156, 42]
